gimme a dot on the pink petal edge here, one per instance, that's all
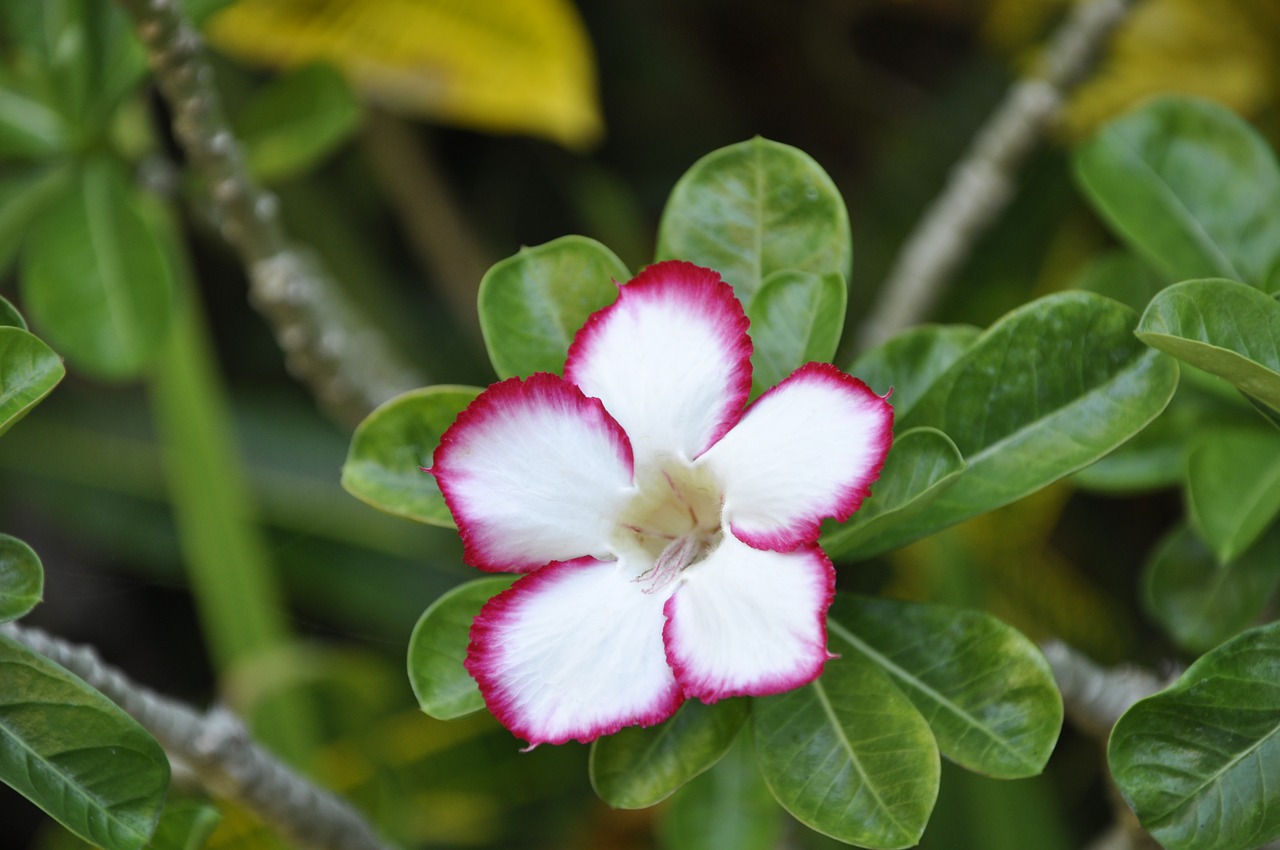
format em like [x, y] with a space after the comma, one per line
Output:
[487, 405]
[483, 663]
[848, 498]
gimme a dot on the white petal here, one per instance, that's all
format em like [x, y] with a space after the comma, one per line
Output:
[573, 651]
[670, 359]
[533, 471]
[806, 450]
[750, 621]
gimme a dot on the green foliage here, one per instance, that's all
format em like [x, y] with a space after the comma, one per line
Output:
[94, 278]
[849, 755]
[185, 825]
[1223, 327]
[1201, 601]
[29, 370]
[24, 193]
[636, 768]
[1233, 488]
[533, 303]
[394, 443]
[21, 578]
[10, 317]
[728, 806]
[71, 751]
[909, 363]
[1200, 761]
[921, 466]
[296, 121]
[796, 318]
[1191, 187]
[1048, 389]
[754, 208]
[438, 646]
[985, 689]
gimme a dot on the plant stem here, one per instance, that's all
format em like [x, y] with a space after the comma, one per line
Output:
[216, 747]
[982, 183]
[327, 342]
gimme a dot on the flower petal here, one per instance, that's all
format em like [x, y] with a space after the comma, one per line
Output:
[806, 450]
[573, 651]
[670, 359]
[533, 471]
[749, 622]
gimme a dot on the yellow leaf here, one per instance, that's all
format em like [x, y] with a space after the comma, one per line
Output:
[501, 66]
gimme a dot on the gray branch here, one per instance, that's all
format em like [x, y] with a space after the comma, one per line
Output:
[217, 749]
[327, 342]
[982, 183]
[1095, 696]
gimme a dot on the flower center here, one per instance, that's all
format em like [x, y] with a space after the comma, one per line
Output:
[671, 523]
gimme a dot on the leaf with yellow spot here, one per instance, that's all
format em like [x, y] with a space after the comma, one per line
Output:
[500, 66]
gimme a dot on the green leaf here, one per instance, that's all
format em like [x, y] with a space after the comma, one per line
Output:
[796, 318]
[1222, 327]
[754, 208]
[21, 578]
[95, 280]
[1199, 601]
[10, 317]
[985, 689]
[1233, 487]
[1048, 389]
[29, 370]
[393, 443]
[1190, 186]
[533, 303]
[24, 193]
[1200, 762]
[921, 465]
[909, 363]
[849, 756]
[185, 825]
[638, 767]
[295, 121]
[73, 753]
[729, 806]
[29, 128]
[444, 688]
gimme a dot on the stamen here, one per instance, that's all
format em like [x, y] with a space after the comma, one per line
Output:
[677, 555]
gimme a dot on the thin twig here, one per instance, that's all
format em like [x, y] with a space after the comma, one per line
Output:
[216, 747]
[327, 342]
[982, 183]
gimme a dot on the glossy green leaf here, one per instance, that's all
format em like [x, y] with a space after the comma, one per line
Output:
[796, 318]
[533, 303]
[849, 755]
[1190, 186]
[393, 443]
[296, 120]
[1200, 762]
[985, 689]
[1048, 389]
[638, 767]
[73, 753]
[10, 317]
[729, 806]
[29, 370]
[921, 465]
[438, 646]
[24, 193]
[21, 578]
[754, 208]
[185, 825]
[909, 363]
[1201, 602]
[1223, 327]
[1233, 487]
[95, 281]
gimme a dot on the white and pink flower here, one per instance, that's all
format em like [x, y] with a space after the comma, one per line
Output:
[668, 530]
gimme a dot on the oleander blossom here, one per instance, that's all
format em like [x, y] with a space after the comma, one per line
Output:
[668, 531]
